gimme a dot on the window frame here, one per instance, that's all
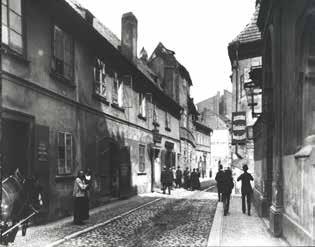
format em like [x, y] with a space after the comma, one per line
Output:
[142, 105]
[54, 72]
[167, 121]
[100, 77]
[13, 51]
[68, 168]
[141, 158]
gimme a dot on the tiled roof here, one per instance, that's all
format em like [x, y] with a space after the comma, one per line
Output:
[98, 26]
[251, 32]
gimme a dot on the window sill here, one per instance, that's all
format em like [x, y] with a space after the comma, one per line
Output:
[62, 178]
[19, 57]
[62, 79]
[116, 106]
[100, 98]
[156, 124]
[142, 117]
[141, 173]
[167, 129]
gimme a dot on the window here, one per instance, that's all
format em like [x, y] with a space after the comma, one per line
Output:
[100, 78]
[155, 116]
[167, 120]
[184, 119]
[141, 158]
[117, 94]
[12, 29]
[62, 60]
[65, 153]
[142, 104]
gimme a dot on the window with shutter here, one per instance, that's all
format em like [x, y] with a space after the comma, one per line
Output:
[115, 89]
[100, 78]
[12, 29]
[62, 61]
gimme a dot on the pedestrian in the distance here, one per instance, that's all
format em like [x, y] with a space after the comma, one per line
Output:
[88, 181]
[227, 186]
[246, 189]
[186, 178]
[219, 178]
[198, 174]
[178, 180]
[194, 180]
[163, 179]
[79, 189]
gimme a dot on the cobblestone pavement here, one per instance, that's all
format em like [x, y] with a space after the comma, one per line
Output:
[173, 221]
[39, 236]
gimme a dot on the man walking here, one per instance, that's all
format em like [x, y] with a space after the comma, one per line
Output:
[186, 178]
[246, 189]
[219, 179]
[179, 175]
[227, 186]
[166, 179]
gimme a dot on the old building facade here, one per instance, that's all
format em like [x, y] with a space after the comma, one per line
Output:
[284, 134]
[78, 98]
[245, 54]
[176, 83]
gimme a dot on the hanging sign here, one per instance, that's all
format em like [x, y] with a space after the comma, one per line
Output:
[238, 128]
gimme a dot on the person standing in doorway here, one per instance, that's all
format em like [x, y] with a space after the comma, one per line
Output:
[246, 189]
[219, 178]
[79, 190]
[227, 186]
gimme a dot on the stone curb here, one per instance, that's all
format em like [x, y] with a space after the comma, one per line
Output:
[215, 235]
[75, 234]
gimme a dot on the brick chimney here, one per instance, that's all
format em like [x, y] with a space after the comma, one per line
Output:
[129, 35]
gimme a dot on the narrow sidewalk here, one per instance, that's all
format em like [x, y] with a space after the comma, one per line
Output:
[239, 229]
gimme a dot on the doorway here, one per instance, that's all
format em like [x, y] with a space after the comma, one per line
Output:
[16, 146]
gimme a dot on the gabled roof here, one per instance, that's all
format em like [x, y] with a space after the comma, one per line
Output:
[115, 42]
[251, 32]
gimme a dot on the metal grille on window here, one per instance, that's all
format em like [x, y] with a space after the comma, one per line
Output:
[141, 158]
[12, 31]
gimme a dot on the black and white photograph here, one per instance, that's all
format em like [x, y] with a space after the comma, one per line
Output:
[170, 123]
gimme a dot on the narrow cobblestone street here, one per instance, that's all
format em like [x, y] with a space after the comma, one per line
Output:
[171, 221]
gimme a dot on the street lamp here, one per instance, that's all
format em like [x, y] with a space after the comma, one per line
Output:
[253, 90]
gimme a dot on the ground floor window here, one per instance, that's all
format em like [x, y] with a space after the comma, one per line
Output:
[65, 153]
[141, 158]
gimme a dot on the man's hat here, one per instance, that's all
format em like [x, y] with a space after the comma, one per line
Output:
[245, 167]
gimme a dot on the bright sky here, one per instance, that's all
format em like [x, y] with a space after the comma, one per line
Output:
[198, 31]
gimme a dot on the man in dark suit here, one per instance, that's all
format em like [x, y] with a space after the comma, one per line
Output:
[219, 179]
[246, 189]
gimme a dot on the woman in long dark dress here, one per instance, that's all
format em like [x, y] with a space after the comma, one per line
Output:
[79, 190]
